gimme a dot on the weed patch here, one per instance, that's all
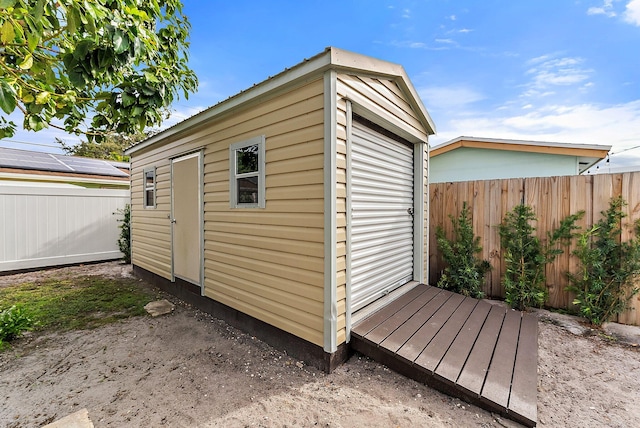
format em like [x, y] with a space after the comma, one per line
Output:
[79, 303]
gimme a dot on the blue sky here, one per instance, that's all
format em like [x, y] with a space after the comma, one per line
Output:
[548, 70]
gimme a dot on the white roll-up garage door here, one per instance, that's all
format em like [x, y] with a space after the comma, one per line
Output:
[381, 215]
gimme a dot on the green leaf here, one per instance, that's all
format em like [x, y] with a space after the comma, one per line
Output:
[38, 11]
[7, 34]
[32, 41]
[7, 97]
[27, 63]
[50, 76]
[120, 42]
[128, 100]
[73, 19]
[82, 48]
[43, 97]
[29, 98]
[35, 123]
[7, 3]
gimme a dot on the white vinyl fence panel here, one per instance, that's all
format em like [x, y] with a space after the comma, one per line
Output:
[50, 226]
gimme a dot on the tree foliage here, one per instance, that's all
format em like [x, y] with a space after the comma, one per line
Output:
[526, 255]
[465, 272]
[608, 267]
[112, 147]
[96, 67]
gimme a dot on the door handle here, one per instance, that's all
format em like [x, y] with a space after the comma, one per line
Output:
[173, 221]
[410, 211]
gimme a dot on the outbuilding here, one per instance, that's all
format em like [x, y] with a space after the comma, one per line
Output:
[292, 207]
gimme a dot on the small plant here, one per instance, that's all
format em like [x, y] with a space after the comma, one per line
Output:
[465, 272]
[13, 321]
[124, 241]
[526, 256]
[608, 268]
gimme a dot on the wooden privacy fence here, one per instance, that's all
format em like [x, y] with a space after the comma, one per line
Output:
[552, 199]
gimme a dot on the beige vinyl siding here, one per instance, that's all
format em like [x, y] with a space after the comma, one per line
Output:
[269, 262]
[384, 99]
[151, 232]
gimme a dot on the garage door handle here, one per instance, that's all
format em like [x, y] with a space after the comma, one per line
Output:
[410, 211]
[173, 221]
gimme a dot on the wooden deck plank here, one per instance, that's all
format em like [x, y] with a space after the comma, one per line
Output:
[384, 329]
[483, 353]
[497, 386]
[435, 351]
[373, 320]
[398, 338]
[524, 388]
[474, 371]
[415, 345]
[453, 361]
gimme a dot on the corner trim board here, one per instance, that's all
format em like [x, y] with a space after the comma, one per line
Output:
[330, 234]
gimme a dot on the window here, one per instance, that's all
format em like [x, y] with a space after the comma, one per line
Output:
[246, 167]
[149, 188]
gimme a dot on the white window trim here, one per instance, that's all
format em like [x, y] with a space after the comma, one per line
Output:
[145, 188]
[233, 177]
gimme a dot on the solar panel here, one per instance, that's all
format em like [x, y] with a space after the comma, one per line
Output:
[90, 166]
[23, 159]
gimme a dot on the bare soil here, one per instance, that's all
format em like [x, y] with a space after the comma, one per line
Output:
[189, 369]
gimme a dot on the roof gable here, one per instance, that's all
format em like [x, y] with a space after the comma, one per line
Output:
[330, 59]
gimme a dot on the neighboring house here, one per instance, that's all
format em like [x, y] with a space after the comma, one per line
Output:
[292, 205]
[30, 166]
[471, 158]
[58, 210]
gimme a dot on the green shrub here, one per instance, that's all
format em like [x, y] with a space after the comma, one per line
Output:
[526, 256]
[604, 283]
[464, 273]
[13, 322]
[124, 241]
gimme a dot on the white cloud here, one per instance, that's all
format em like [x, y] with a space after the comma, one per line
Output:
[606, 9]
[548, 72]
[632, 12]
[449, 98]
[589, 123]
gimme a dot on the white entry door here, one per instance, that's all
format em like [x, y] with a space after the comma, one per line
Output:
[186, 217]
[381, 215]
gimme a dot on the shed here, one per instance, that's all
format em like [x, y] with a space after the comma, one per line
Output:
[290, 207]
[473, 158]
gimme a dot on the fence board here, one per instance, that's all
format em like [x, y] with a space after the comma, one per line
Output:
[552, 199]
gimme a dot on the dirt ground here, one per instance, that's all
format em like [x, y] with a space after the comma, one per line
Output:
[189, 369]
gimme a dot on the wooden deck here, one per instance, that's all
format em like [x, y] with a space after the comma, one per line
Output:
[483, 353]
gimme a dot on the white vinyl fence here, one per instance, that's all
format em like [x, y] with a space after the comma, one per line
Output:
[43, 225]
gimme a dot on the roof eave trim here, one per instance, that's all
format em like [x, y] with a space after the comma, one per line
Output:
[315, 65]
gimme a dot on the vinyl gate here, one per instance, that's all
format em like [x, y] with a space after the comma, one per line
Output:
[44, 225]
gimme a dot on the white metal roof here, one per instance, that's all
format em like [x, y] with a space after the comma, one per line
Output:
[330, 58]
